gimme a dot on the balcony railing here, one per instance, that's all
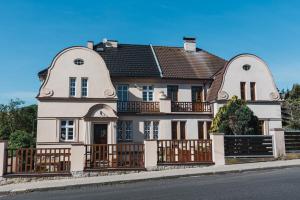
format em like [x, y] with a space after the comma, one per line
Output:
[190, 107]
[138, 107]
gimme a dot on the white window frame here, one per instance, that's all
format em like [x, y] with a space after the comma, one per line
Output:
[67, 127]
[151, 130]
[128, 130]
[124, 131]
[148, 91]
[84, 87]
[121, 90]
[147, 130]
[72, 88]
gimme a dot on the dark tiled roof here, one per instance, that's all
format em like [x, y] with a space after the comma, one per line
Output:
[129, 60]
[216, 85]
[175, 62]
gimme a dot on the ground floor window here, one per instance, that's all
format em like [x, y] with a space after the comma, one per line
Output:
[178, 130]
[67, 130]
[261, 128]
[151, 129]
[124, 130]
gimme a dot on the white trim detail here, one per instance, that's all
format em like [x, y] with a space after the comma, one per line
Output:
[156, 60]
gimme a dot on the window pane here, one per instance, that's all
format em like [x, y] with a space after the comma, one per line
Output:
[71, 122]
[155, 130]
[120, 130]
[63, 133]
[72, 87]
[128, 130]
[70, 134]
[63, 123]
[147, 126]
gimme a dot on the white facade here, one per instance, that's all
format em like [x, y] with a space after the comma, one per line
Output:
[62, 112]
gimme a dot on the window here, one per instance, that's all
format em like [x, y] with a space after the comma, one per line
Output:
[67, 130]
[72, 87]
[151, 129]
[120, 130]
[123, 92]
[243, 90]
[253, 91]
[128, 130]
[147, 93]
[147, 127]
[246, 67]
[261, 127]
[78, 61]
[84, 87]
[208, 126]
[124, 130]
[155, 130]
[178, 130]
[197, 93]
[172, 92]
[200, 130]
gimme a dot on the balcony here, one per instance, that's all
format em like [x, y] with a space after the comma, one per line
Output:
[190, 107]
[137, 107]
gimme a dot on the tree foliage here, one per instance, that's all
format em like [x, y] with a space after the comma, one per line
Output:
[235, 118]
[15, 117]
[291, 107]
[21, 139]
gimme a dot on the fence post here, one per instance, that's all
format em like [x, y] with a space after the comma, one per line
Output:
[278, 142]
[3, 146]
[218, 153]
[77, 157]
[150, 154]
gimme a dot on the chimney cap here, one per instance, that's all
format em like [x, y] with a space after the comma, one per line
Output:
[189, 38]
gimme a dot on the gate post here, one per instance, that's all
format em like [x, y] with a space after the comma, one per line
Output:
[278, 142]
[150, 152]
[3, 146]
[218, 148]
[77, 157]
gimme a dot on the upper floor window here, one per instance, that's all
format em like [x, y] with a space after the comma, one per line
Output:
[172, 92]
[84, 87]
[72, 87]
[253, 91]
[147, 93]
[67, 130]
[197, 93]
[78, 61]
[243, 90]
[122, 92]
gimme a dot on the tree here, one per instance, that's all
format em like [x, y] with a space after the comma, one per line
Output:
[21, 139]
[235, 118]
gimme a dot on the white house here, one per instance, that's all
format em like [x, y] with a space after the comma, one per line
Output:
[113, 93]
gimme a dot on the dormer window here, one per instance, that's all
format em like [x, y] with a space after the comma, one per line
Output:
[78, 61]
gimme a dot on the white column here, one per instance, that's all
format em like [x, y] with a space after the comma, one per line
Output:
[278, 142]
[77, 157]
[165, 105]
[3, 146]
[150, 154]
[218, 153]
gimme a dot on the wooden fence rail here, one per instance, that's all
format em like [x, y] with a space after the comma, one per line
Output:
[248, 146]
[292, 141]
[114, 156]
[184, 151]
[38, 160]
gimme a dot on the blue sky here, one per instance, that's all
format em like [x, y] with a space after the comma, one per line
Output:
[32, 32]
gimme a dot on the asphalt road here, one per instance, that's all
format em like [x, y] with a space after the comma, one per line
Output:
[282, 184]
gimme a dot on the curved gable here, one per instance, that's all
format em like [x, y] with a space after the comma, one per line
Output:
[259, 73]
[63, 68]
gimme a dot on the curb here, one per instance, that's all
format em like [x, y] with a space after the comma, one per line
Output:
[22, 191]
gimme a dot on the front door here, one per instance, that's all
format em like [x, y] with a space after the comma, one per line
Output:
[100, 133]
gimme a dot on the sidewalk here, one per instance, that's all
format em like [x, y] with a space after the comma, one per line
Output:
[76, 182]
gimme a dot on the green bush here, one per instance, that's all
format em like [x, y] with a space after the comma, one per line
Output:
[235, 118]
[21, 139]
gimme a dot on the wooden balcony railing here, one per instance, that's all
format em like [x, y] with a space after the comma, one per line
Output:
[138, 106]
[190, 107]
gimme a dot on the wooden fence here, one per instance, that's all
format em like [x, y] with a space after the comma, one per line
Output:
[28, 161]
[184, 151]
[114, 156]
[248, 146]
[292, 141]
